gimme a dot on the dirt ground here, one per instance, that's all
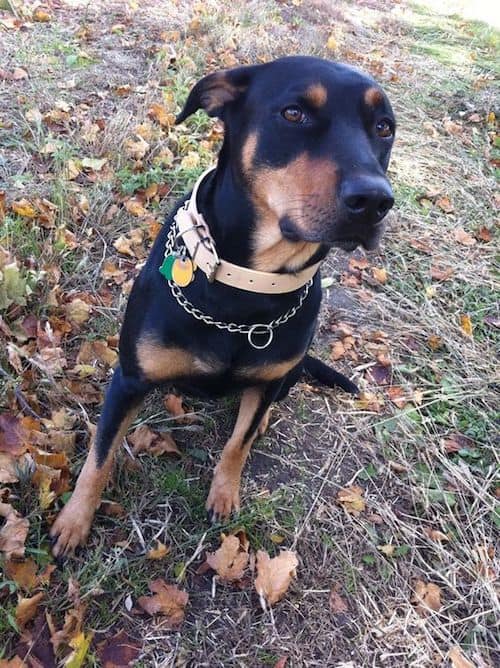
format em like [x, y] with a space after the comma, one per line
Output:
[90, 162]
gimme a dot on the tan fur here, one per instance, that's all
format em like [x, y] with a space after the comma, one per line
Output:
[268, 372]
[294, 190]
[373, 96]
[73, 523]
[159, 362]
[316, 95]
[224, 495]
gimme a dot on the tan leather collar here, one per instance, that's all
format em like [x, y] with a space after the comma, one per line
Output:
[194, 231]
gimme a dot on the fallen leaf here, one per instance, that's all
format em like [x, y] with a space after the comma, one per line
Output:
[191, 160]
[167, 600]
[484, 234]
[95, 164]
[281, 662]
[445, 204]
[381, 374]
[351, 499]
[458, 660]
[78, 311]
[358, 263]
[26, 609]
[24, 573]
[380, 274]
[231, 559]
[435, 535]
[41, 15]
[456, 442]
[337, 604]
[173, 404]
[274, 576]
[439, 273]
[80, 644]
[24, 208]
[158, 552]
[161, 115]
[466, 325]
[427, 597]
[13, 533]
[397, 396]
[331, 43]
[369, 401]
[73, 618]
[19, 73]
[463, 237]
[338, 350]
[435, 342]
[388, 549]
[8, 468]
[119, 651]
[144, 439]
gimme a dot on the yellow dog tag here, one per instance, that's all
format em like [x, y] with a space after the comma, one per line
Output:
[182, 272]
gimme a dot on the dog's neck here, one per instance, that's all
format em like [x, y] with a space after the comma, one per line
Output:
[224, 201]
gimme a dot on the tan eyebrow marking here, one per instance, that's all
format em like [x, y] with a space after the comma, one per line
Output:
[316, 94]
[373, 96]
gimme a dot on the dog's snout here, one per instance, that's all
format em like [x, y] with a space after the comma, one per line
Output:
[367, 198]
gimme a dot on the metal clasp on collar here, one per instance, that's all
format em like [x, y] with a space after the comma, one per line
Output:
[260, 330]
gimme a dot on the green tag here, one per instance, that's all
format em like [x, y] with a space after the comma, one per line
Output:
[166, 267]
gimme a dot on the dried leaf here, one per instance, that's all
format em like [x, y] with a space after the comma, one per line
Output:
[380, 274]
[41, 15]
[173, 404]
[358, 263]
[231, 559]
[435, 535]
[388, 549]
[398, 396]
[338, 605]
[119, 651]
[331, 43]
[24, 573]
[369, 401]
[466, 324]
[8, 468]
[161, 115]
[435, 342]
[445, 204]
[168, 600]
[274, 575]
[484, 234]
[458, 660]
[13, 533]
[439, 273]
[78, 311]
[158, 552]
[24, 207]
[80, 644]
[135, 207]
[427, 597]
[94, 164]
[463, 237]
[26, 609]
[351, 499]
[144, 439]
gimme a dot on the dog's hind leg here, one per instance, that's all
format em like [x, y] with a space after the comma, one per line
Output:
[224, 495]
[123, 399]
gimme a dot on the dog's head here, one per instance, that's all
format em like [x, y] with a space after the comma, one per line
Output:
[310, 140]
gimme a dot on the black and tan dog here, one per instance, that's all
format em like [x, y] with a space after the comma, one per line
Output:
[302, 168]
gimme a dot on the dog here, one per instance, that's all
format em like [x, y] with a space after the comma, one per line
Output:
[229, 297]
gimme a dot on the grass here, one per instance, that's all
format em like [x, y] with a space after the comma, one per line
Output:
[438, 69]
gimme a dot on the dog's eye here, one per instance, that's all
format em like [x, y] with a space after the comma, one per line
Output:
[384, 128]
[293, 114]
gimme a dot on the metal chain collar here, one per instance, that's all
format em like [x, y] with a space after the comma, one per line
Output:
[259, 329]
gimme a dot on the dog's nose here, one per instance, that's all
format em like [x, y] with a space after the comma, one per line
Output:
[367, 198]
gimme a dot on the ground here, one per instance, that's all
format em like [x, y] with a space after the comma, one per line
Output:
[90, 162]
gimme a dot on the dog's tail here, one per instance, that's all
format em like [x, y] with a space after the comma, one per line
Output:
[328, 376]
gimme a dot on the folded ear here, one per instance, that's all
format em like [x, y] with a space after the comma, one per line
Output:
[215, 91]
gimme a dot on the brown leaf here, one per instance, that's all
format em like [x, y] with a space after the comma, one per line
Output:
[455, 442]
[484, 234]
[13, 533]
[445, 204]
[427, 597]
[119, 651]
[358, 263]
[435, 342]
[463, 237]
[231, 559]
[168, 600]
[158, 552]
[73, 618]
[173, 404]
[435, 535]
[144, 439]
[8, 468]
[398, 396]
[24, 573]
[439, 273]
[24, 208]
[19, 73]
[135, 207]
[26, 609]
[12, 434]
[274, 575]
[16, 662]
[78, 311]
[466, 325]
[337, 603]
[380, 274]
[161, 115]
[381, 374]
[458, 660]
[281, 662]
[351, 499]
[338, 351]
[369, 401]
[41, 15]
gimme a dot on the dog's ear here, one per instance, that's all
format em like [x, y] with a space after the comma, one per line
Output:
[215, 91]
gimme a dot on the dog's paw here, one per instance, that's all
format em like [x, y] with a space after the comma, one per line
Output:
[70, 529]
[224, 497]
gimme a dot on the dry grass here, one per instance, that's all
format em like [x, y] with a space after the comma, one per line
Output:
[439, 74]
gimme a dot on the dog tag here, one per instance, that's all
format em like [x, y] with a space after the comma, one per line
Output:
[166, 266]
[182, 271]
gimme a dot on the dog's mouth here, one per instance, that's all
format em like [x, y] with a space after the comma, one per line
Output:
[368, 239]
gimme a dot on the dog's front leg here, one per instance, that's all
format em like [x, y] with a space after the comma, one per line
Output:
[224, 495]
[123, 399]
